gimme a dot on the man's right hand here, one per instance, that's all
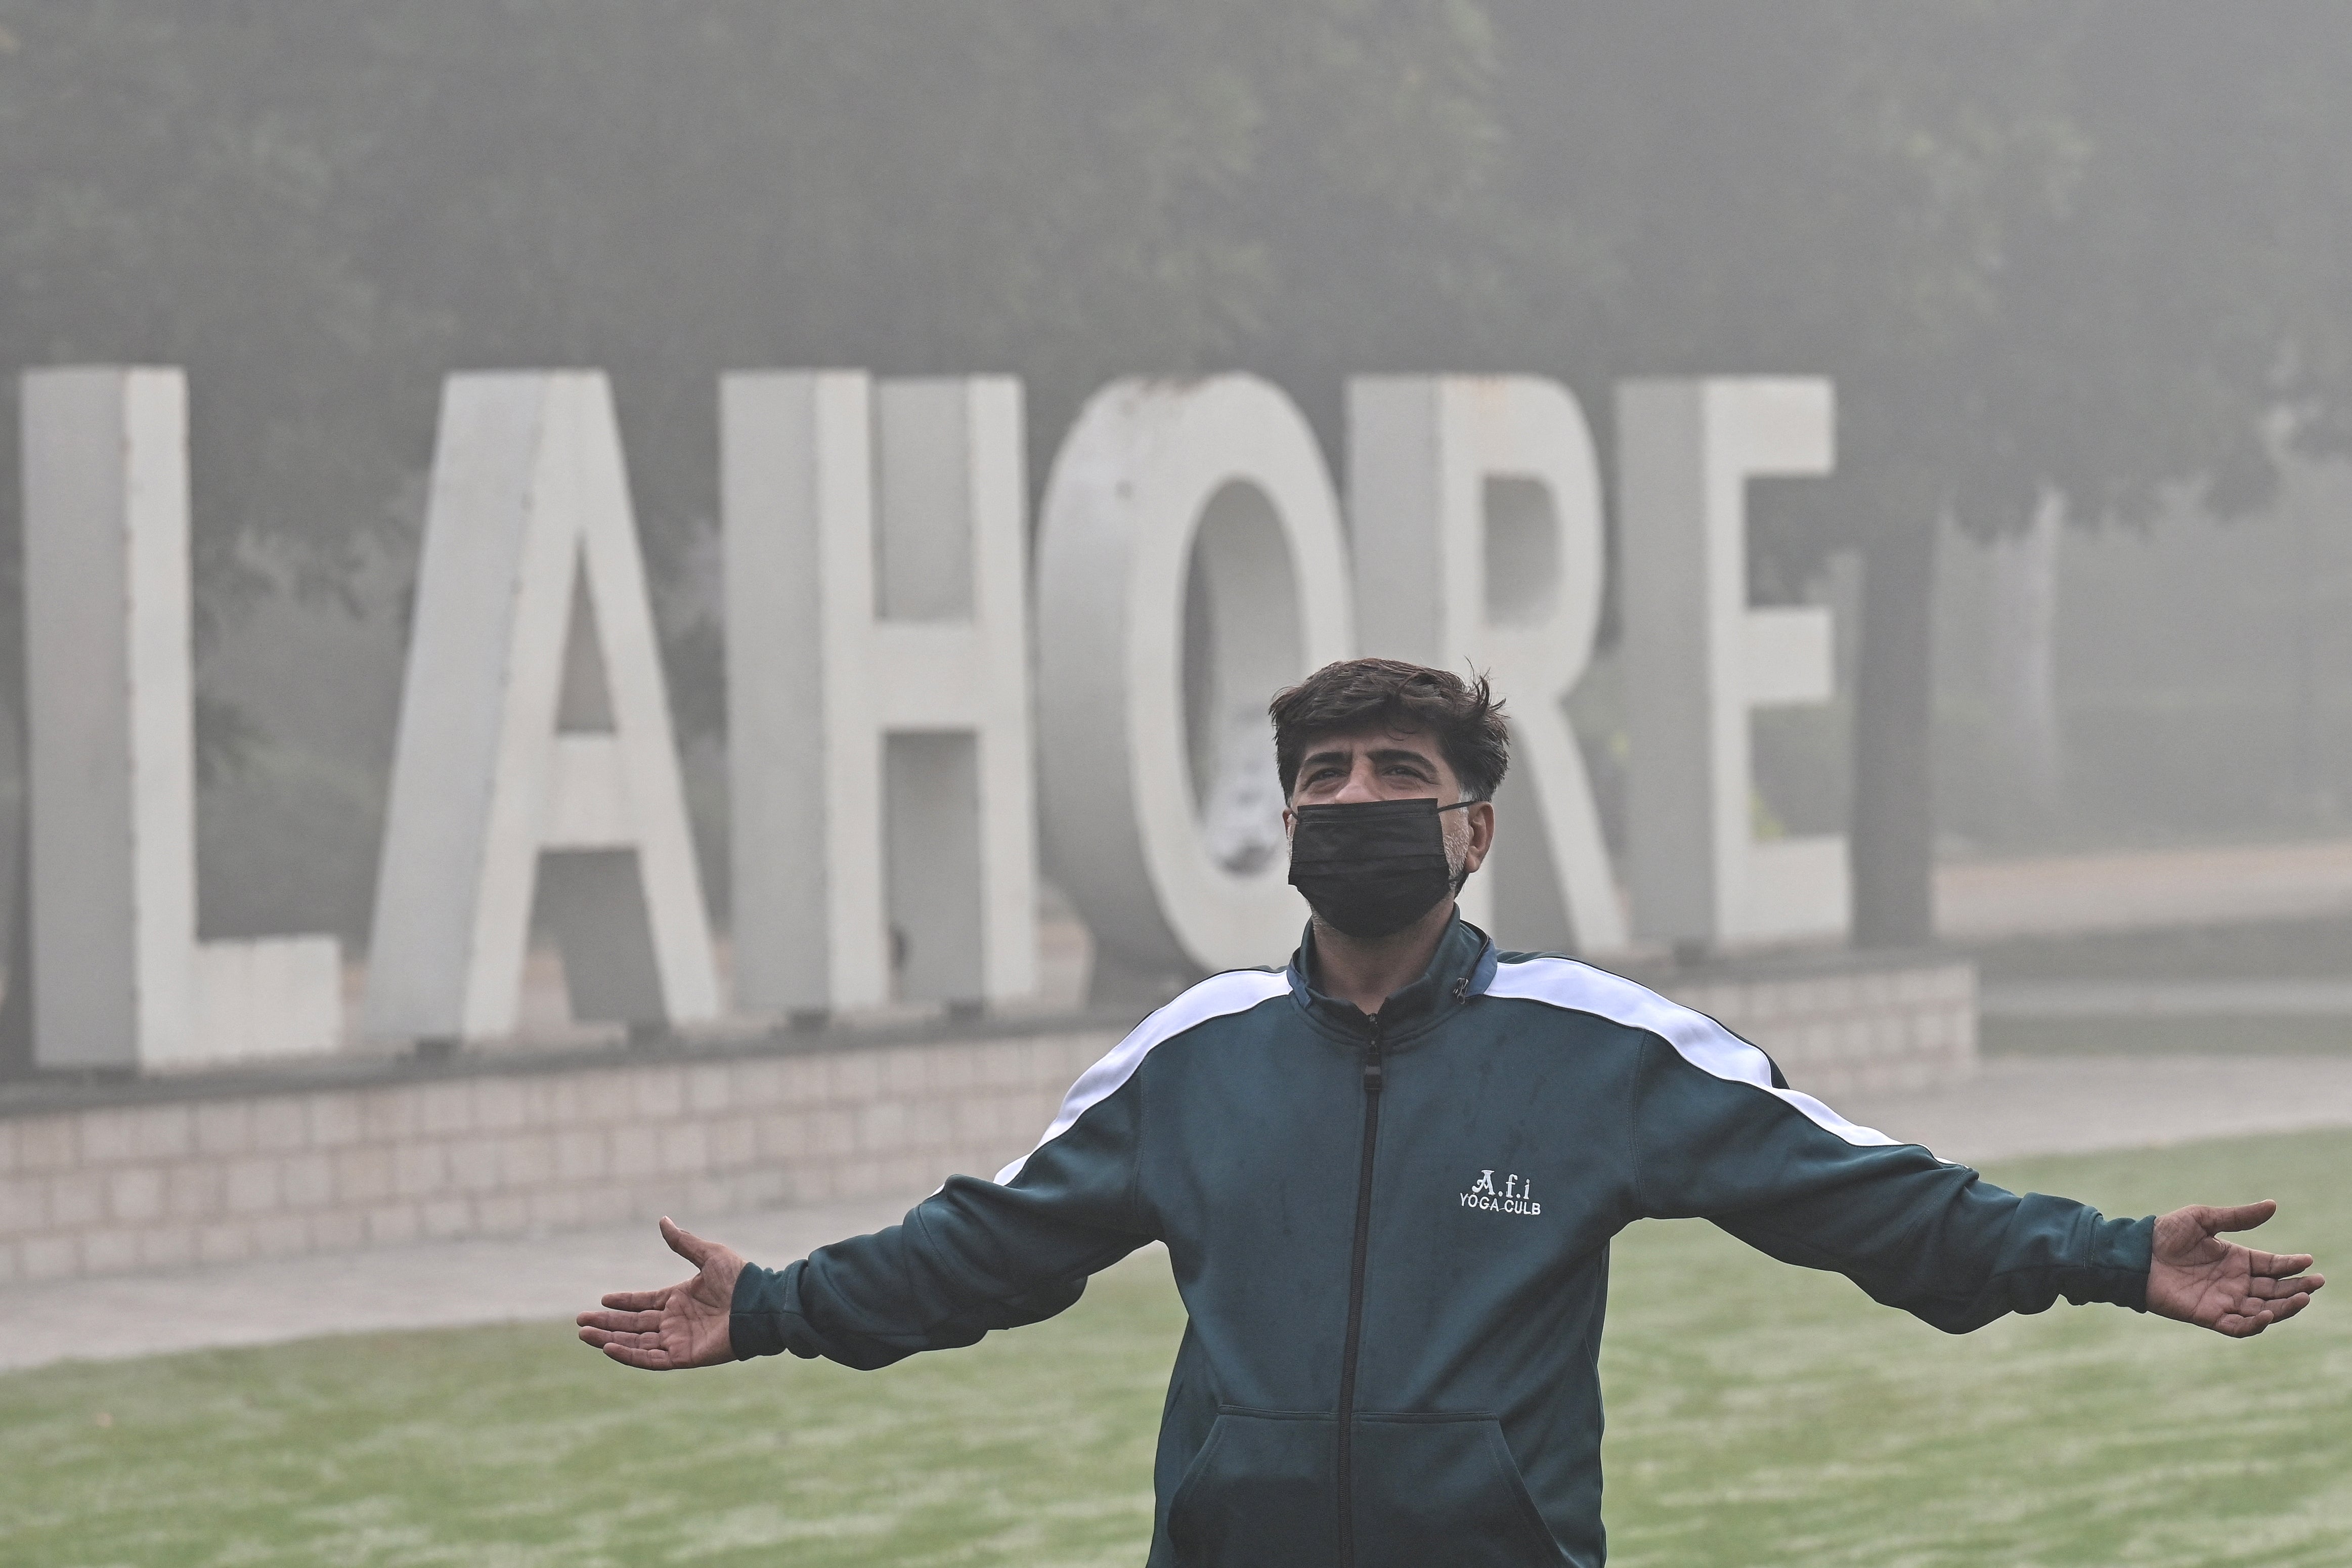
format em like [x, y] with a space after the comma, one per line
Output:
[683, 1326]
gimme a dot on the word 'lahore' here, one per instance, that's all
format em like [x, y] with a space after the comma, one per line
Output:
[911, 700]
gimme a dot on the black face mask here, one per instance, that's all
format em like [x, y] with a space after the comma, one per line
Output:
[1370, 869]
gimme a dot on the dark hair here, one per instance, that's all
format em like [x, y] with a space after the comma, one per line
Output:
[1358, 693]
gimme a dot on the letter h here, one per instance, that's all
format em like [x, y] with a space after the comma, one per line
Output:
[877, 708]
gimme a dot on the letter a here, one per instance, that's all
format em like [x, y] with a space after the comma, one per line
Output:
[534, 721]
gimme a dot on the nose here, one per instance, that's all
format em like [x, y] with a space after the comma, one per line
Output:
[1362, 784]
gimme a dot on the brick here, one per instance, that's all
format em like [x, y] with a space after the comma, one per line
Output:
[362, 1174]
[756, 1084]
[538, 1100]
[47, 1257]
[833, 1134]
[603, 1097]
[24, 1204]
[952, 1072]
[227, 1241]
[335, 1230]
[135, 1193]
[391, 1224]
[419, 1170]
[109, 1251]
[683, 1149]
[45, 1143]
[764, 1189]
[805, 1079]
[660, 1093]
[497, 1104]
[526, 1159]
[77, 1199]
[282, 1124]
[308, 1181]
[733, 1142]
[445, 1220]
[558, 1208]
[224, 1127]
[781, 1134]
[506, 1214]
[567, 1102]
[334, 1120]
[285, 1237]
[165, 1131]
[108, 1137]
[583, 1154]
[899, 1072]
[474, 1165]
[195, 1189]
[636, 1151]
[851, 1077]
[388, 1114]
[166, 1246]
[879, 1126]
[709, 1088]
[443, 1108]
[929, 1123]
[254, 1186]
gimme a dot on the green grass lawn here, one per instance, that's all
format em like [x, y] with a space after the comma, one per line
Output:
[1757, 1414]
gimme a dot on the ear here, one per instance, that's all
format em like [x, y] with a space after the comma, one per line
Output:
[1480, 818]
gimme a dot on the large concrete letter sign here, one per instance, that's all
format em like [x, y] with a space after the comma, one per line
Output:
[1475, 506]
[1203, 502]
[117, 977]
[878, 689]
[1699, 659]
[533, 720]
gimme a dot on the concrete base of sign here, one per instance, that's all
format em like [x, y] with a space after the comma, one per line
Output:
[110, 1177]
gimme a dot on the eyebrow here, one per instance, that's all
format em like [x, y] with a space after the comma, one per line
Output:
[1385, 754]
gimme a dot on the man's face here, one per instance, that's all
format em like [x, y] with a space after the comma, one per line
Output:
[1380, 764]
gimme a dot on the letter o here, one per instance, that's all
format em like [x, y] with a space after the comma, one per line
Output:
[1150, 469]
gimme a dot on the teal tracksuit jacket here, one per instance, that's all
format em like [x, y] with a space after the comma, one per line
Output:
[1392, 1238]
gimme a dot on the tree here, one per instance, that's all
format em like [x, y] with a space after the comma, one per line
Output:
[1981, 219]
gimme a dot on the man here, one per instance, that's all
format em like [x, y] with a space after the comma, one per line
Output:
[1387, 1176]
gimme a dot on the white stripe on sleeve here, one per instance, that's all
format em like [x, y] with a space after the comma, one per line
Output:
[1236, 991]
[1702, 1042]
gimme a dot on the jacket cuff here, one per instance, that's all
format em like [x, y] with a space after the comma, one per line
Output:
[763, 1307]
[2118, 1269]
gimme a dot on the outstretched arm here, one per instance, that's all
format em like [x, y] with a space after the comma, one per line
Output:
[2193, 1275]
[681, 1326]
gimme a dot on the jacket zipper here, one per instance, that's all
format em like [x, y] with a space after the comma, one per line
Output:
[1373, 1075]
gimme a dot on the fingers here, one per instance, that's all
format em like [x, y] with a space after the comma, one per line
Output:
[683, 1242]
[2273, 1289]
[635, 1300]
[644, 1353]
[2243, 1217]
[2288, 1307]
[621, 1322]
[2277, 1264]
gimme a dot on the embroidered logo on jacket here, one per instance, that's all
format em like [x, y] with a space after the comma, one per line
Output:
[1516, 1197]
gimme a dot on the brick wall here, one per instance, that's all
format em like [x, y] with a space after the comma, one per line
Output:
[143, 1187]
[197, 1171]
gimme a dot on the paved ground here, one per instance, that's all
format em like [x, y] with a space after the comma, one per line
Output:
[2015, 1107]
[2282, 998]
[2143, 890]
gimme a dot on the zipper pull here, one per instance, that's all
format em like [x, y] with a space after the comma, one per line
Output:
[1372, 1070]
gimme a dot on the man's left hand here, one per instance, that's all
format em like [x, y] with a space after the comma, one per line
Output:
[2199, 1278]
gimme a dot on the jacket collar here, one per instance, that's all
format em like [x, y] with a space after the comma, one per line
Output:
[1462, 967]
